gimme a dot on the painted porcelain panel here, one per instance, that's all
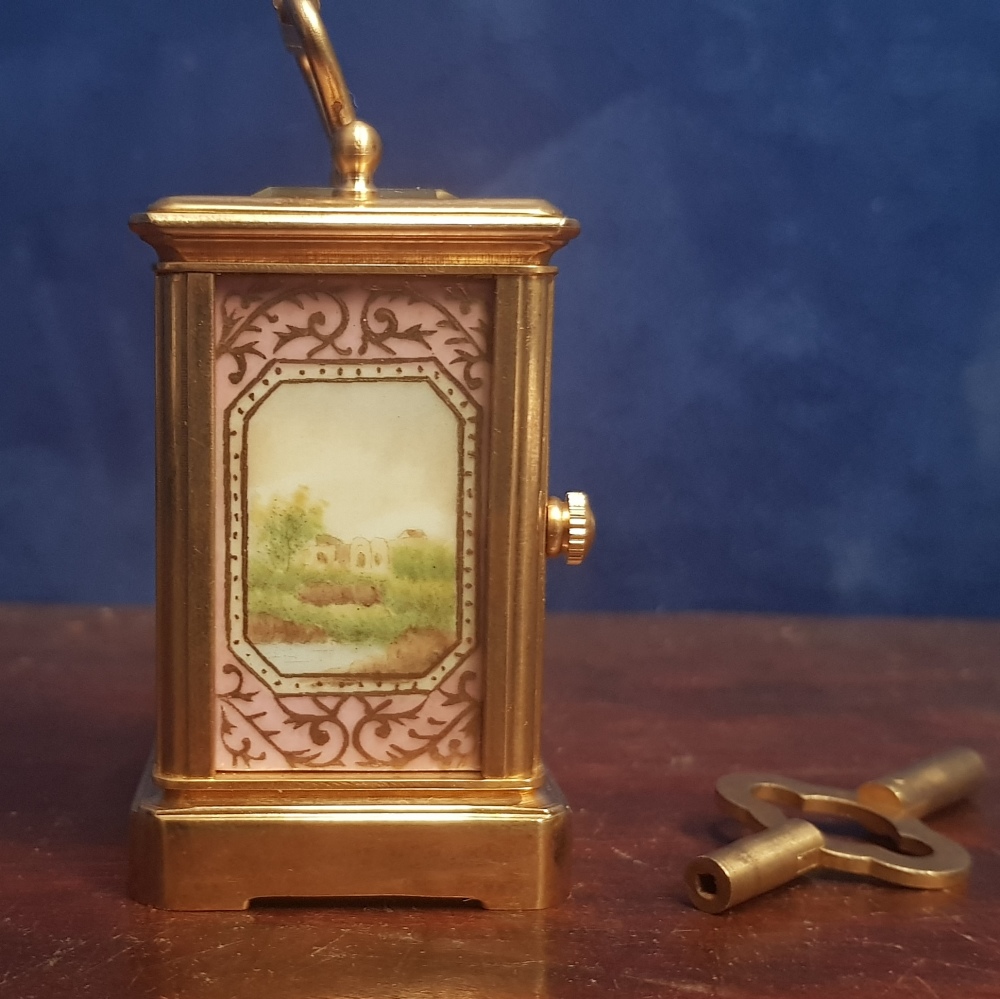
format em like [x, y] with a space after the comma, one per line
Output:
[353, 414]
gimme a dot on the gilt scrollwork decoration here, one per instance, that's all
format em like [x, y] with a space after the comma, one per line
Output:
[384, 734]
[251, 323]
[469, 342]
[441, 741]
[245, 315]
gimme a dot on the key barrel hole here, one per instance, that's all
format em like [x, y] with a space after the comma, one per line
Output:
[707, 886]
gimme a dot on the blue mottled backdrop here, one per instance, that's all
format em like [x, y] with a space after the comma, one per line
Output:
[778, 339]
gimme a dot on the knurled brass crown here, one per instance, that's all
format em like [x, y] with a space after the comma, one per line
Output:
[570, 527]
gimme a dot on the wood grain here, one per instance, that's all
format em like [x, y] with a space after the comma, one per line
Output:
[643, 713]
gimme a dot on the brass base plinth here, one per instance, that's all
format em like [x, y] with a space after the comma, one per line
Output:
[224, 855]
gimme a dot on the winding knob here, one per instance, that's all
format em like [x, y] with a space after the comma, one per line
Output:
[570, 527]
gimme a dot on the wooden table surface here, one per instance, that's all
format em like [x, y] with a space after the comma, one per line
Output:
[643, 714]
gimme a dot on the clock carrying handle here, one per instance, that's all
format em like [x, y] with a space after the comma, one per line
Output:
[356, 146]
[306, 38]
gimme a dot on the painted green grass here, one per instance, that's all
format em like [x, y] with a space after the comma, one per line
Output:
[418, 594]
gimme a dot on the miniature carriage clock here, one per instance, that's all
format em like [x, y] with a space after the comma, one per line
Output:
[352, 521]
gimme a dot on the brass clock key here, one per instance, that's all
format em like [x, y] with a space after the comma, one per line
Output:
[786, 848]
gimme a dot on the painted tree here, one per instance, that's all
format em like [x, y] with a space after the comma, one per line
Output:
[288, 524]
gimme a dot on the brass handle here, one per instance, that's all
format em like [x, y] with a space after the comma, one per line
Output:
[570, 527]
[307, 40]
[356, 146]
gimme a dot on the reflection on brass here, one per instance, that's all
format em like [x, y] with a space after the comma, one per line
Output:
[356, 146]
[570, 527]
[787, 848]
[364, 951]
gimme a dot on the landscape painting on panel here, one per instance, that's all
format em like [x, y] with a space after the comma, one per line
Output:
[352, 508]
